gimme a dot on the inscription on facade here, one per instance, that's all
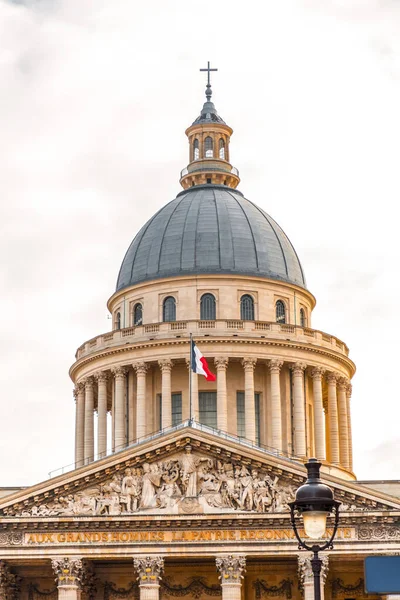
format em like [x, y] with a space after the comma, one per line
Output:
[181, 536]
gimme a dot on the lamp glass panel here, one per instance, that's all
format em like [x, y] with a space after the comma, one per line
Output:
[314, 524]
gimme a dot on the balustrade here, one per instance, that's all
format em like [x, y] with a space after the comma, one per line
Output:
[222, 326]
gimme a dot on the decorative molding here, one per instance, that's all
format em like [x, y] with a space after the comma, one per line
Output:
[379, 532]
[11, 538]
[111, 592]
[197, 587]
[284, 588]
[293, 345]
[149, 569]
[231, 568]
[68, 571]
[339, 588]
[35, 594]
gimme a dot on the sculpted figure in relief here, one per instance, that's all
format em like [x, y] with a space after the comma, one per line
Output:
[170, 486]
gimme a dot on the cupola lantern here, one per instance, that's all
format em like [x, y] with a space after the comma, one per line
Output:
[209, 138]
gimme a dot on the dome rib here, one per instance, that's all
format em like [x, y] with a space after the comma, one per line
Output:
[210, 229]
[276, 235]
[251, 230]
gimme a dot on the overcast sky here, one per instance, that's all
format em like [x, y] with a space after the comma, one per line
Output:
[95, 96]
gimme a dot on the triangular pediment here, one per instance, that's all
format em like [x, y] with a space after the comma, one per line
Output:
[187, 472]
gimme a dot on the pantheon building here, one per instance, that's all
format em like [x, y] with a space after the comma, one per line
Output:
[180, 485]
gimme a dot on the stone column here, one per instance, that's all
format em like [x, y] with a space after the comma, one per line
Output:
[306, 577]
[231, 570]
[80, 424]
[299, 413]
[195, 394]
[102, 378]
[166, 395]
[10, 584]
[333, 418]
[149, 570]
[221, 363]
[89, 420]
[249, 404]
[319, 417]
[343, 423]
[276, 405]
[119, 407]
[68, 572]
[141, 370]
[348, 397]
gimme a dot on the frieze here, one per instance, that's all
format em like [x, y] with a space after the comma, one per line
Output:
[11, 538]
[379, 532]
[54, 538]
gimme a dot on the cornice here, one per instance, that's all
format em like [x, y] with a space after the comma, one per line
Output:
[173, 342]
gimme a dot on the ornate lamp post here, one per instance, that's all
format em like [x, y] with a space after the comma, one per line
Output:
[314, 502]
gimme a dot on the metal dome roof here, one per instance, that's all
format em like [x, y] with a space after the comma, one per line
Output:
[210, 229]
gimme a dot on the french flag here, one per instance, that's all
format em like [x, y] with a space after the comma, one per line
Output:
[199, 363]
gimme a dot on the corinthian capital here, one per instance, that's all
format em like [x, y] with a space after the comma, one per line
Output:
[80, 387]
[349, 390]
[101, 376]
[165, 365]
[140, 367]
[317, 372]
[275, 365]
[332, 378]
[221, 362]
[230, 568]
[68, 570]
[88, 382]
[119, 372]
[249, 363]
[149, 569]
[342, 383]
[298, 368]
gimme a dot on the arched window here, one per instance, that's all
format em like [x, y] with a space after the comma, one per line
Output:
[280, 312]
[222, 149]
[207, 308]
[303, 318]
[208, 147]
[118, 320]
[138, 314]
[196, 151]
[247, 308]
[169, 309]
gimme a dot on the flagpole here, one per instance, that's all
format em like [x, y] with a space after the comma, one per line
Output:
[190, 383]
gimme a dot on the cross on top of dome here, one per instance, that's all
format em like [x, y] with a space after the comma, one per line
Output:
[208, 87]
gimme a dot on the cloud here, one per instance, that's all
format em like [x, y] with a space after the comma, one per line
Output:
[96, 98]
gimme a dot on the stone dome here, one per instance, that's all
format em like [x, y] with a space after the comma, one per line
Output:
[210, 229]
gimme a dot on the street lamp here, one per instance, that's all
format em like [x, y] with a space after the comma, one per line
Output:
[314, 502]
